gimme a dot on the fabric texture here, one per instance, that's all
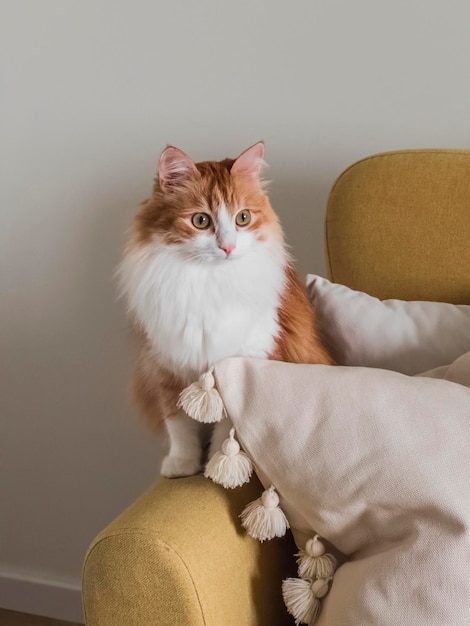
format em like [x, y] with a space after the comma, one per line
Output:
[407, 337]
[457, 372]
[398, 226]
[377, 463]
[177, 557]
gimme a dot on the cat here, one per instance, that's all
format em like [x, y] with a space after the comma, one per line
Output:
[207, 275]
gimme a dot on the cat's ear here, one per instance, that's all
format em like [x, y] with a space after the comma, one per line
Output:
[175, 168]
[250, 162]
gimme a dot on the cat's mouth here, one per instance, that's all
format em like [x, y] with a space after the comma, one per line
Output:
[225, 258]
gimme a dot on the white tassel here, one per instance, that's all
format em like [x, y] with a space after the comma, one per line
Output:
[302, 598]
[231, 467]
[313, 562]
[264, 519]
[202, 401]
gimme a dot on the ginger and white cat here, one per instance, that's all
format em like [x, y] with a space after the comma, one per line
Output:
[207, 276]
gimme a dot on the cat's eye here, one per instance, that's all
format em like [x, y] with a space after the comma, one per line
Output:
[201, 220]
[243, 218]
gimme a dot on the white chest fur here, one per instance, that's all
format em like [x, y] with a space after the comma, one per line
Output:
[196, 313]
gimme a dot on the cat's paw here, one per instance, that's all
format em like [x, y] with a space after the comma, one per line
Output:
[177, 466]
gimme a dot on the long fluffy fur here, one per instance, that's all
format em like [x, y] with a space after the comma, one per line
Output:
[191, 305]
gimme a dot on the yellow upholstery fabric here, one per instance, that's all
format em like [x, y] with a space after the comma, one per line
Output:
[398, 226]
[178, 556]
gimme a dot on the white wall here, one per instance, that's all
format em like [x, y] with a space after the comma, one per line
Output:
[91, 92]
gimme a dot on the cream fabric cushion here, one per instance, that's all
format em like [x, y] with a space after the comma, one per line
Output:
[407, 337]
[378, 464]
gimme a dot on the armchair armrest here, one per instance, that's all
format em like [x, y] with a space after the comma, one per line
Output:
[178, 556]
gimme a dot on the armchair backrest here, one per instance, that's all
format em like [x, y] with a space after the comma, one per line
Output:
[398, 226]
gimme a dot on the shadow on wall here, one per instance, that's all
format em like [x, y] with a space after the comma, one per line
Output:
[300, 203]
[76, 451]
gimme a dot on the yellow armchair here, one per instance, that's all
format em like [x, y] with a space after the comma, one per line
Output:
[397, 225]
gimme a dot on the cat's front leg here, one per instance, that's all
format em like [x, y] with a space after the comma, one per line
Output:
[185, 454]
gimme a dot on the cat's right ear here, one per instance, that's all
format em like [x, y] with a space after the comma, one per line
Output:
[250, 162]
[175, 168]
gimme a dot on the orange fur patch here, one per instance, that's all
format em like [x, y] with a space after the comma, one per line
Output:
[298, 341]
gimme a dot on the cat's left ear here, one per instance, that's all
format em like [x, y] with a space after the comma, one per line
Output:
[250, 162]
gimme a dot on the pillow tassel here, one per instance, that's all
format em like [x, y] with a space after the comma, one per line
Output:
[231, 467]
[313, 562]
[202, 401]
[264, 519]
[302, 598]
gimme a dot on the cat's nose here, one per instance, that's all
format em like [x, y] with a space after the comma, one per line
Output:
[228, 249]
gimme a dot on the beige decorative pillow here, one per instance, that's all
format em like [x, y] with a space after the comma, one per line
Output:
[378, 464]
[407, 337]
